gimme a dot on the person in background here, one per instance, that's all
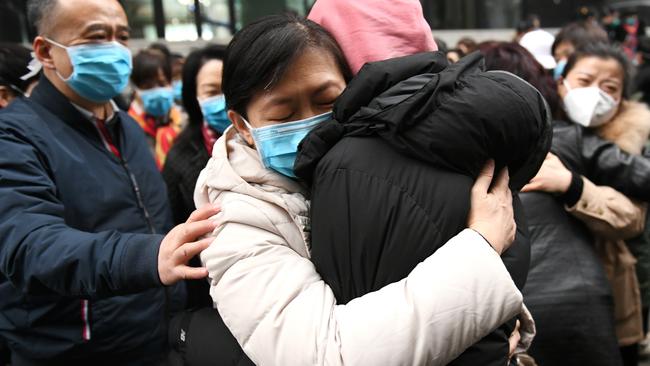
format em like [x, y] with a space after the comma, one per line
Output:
[153, 103]
[611, 22]
[539, 43]
[163, 50]
[177, 62]
[454, 55]
[634, 28]
[580, 321]
[586, 14]
[442, 45]
[642, 78]
[574, 35]
[88, 263]
[14, 59]
[467, 45]
[531, 23]
[206, 108]
[610, 214]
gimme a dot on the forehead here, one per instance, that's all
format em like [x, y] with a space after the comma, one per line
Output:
[210, 71]
[601, 68]
[313, 66]
[74, 16]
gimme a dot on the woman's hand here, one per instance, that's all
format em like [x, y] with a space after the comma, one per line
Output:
[491, 213]
[553, 177]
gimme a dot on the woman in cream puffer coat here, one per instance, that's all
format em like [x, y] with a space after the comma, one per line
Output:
[282, 313]
[262, 281]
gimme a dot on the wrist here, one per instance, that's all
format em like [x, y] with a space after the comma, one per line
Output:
[573, 193]
[486, 240]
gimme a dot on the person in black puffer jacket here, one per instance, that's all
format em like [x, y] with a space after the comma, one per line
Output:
[408, 138]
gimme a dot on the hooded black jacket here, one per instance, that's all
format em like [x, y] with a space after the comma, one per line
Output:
[392, 172]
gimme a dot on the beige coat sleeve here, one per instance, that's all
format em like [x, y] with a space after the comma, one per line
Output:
[608, 213]
[282, 313]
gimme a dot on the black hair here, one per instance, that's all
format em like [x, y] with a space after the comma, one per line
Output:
[146, 65]
[442, 45]
[512, 57]
[166, 53]
[579, 34]
[14, 59]
[158, 46]
[37, 11]
[528, 24]
[191, 69]
[603, 51]
[259, 55]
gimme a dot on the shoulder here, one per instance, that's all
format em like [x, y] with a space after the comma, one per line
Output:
[257, 216]
[630, 128]
[247, 210]
[21, 122]
[20, 115]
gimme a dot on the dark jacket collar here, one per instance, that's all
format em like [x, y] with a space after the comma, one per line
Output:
[48, 96]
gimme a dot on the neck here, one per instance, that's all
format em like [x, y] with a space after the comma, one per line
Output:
[99, 110]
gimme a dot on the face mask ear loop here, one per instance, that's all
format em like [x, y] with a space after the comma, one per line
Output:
[250, 130]
[66, 49]
[566, 85]
[55, 43]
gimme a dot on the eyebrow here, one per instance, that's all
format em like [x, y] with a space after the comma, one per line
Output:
[325, 86]
[278, 100]
[105, 27]
[584, 72]
[211, 84]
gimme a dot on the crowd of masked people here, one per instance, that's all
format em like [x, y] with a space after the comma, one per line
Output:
[336, 189]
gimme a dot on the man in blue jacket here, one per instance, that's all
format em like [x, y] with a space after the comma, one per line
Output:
[85, 267]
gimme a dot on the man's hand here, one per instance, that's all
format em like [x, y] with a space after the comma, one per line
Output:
[491, 213]
[181, 244]
[553, 177]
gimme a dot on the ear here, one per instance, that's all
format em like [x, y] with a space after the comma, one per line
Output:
[42, 52]
[6, 96]
[241, 127]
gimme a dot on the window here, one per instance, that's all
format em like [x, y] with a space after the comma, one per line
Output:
[469, 14]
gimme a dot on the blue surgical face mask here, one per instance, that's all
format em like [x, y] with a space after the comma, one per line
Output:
[157, 101]
[278, 144]
[559, 69]
[214, 113]
[99, 71]
[177, 86]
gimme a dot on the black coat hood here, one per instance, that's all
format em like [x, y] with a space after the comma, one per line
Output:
[455, 116]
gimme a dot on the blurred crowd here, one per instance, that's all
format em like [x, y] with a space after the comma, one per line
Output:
[166, 134]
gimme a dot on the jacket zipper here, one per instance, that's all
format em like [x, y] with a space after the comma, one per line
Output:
[138, 196]
[85, 304]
